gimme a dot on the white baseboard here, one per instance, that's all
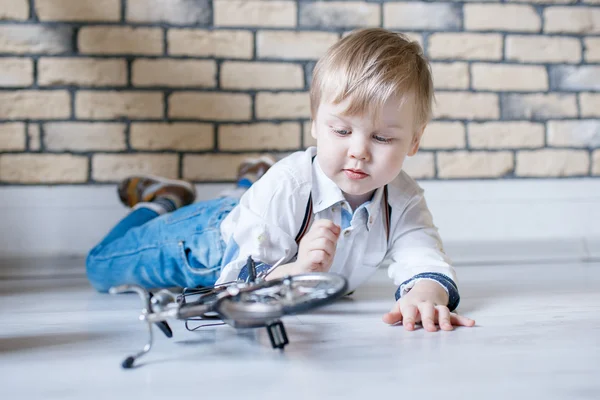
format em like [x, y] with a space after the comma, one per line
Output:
[480, 221]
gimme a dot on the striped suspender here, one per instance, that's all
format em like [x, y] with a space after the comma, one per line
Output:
[388, 212]
[306, 221]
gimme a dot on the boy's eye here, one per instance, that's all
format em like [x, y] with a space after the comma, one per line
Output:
[341, 132]
[381, 139]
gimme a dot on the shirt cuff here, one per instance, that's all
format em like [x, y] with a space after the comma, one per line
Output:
[447, 283]
[260, 268]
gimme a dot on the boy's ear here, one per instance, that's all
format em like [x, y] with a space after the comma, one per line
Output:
[313, 129]
[414, 146]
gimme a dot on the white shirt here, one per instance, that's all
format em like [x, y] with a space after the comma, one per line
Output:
[265, 223]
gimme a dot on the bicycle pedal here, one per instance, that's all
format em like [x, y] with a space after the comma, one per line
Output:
[277, 335]
[165, 328]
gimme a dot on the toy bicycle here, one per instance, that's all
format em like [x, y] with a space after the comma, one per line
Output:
[253, 303]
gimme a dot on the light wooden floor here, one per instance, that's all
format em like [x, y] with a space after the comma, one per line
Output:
[537, 337]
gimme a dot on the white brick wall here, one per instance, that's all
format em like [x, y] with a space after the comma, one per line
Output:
[94, 90]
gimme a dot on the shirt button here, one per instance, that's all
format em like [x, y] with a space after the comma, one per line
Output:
[370, 220]
[347, 233]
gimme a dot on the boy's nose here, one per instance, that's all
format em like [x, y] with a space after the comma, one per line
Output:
[359, 150]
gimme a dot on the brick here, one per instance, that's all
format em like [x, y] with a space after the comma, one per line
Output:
[34, 104]
[120, 40]
[552, 163]
[113, 104]
[450, 75]
[114, 167]
[84, 136]
[82, 72]
[505, 135]
[596, 161]
[78, 10]
[443, 135]
[500, 77]
[539, 106]
[339, 14]
[575, 78]
[14, 9]
[505, 17]
[250, 13]
[282, 105]
[420, 166]
[422, 16]
[259, 75]
[43, 168]
[592, 49]
[172, 136]
[541, 49]
[294, 45]
[572, 20]
[179, 73]
[16, 72]
[219, 43]
[35, 39]
[465, 46]
[176, 12]
[212, 167]
[590, 104]
[463, 105]
[12, 136]
[261, 136]
[479, 164]
[210, 106]
[34, 136]
[577, 133]
[307, 139]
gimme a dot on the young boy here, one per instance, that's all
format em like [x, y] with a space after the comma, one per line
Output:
[345, 206]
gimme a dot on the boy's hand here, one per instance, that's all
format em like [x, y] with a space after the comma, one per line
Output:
[425, 303]
[317, 247]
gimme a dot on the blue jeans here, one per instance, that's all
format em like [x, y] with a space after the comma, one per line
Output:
[182, 248]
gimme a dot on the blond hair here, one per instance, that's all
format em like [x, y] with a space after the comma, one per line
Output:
[369, 66]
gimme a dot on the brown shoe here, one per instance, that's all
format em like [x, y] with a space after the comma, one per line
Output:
[254, 168]
[145, 188]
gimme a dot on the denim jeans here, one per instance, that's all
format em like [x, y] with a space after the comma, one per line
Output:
[182, 248]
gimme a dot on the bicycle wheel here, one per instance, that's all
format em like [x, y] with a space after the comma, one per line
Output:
[259, 304]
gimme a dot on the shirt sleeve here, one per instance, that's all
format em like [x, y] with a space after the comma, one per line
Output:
[263, 224]
[416, 251]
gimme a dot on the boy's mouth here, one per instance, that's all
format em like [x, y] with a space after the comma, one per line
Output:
[355, 174]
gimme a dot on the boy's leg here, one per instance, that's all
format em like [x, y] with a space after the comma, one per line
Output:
[150, 197]
[181, 248]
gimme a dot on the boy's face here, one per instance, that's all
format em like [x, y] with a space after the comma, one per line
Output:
[361, 154]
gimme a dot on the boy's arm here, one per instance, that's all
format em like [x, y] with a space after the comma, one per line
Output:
[262, 225]
[416, 252]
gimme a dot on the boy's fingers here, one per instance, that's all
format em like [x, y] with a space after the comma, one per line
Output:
[326, 233]
[323, 244]
[427, 316]
[409, 313]
[394, 316]
[326, 223]
[444, 318]
[459, 320]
